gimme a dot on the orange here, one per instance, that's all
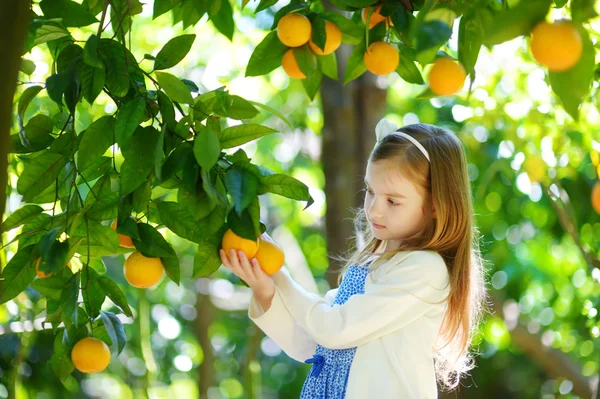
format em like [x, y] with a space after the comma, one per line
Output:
[557, 46]
[269, 256]
[333, 39]
[381, 58]
[233, 241]
[596, 197]
[142, 272]
[290, 66]
[446, 77]
[90, 355]
[42, 274]
[124, 241]
[294, 30]
[376, 17]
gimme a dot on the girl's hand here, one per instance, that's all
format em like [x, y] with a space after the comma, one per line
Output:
[250, 271]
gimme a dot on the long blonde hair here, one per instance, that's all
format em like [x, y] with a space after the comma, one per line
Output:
[443, 182]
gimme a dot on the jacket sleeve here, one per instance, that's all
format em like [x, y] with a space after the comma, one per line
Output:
[408, 290]
[279, 325]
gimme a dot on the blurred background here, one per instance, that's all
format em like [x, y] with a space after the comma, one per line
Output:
[532, 170]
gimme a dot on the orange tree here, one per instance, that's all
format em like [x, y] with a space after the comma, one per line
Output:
[172, 136]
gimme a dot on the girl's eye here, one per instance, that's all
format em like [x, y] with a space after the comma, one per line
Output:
[392, 203]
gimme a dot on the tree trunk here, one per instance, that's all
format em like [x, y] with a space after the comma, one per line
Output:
[205, 312]
[14, 18]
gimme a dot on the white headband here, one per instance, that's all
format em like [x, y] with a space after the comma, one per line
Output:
[385, 128]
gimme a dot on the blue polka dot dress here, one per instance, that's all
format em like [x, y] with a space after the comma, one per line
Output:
[329, 374]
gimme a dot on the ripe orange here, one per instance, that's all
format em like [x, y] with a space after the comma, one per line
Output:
[233, 241]
[558, 46]
[446, 77]
[596, 197]
[142, 272]
[290, 66]
[381, 58]
[294, 30]
[376, 17]
[124, 241]
[90, 355]
[333, 39]
[269, 256]
[42, 274]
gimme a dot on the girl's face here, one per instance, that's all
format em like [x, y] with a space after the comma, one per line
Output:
[393, 205]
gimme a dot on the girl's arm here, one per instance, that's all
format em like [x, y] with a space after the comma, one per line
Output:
[408, 291]
[279, 325]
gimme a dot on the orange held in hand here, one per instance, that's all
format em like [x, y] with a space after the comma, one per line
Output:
[233, 241]
[124, 241]
[294, 30]
[557, 46]
[446, 77]
[376, 17]
[381, 58]
[142, 272]
[269, 256]
[290, 66]
[332, 42]
[90, 355]
[596, 197]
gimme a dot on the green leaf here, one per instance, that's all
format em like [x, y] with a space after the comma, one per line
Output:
[27, 66]
[516, 21]
[174, 51]
[573, 85]
[56, 85]
[138, 165]
[115, 330]
[92, 291]
[151, 243]
[90, 53]
[408, 70]
[33, 231]
[112, 54]
[179, 220]
[356, 64]
[174, 88]
[26, 97]
[112, 290]
[40, 173]
[223, 20]
[72, 13]
[242, 225]
[470, 37]
[141, 196]
[94, 142]
[430, 36]
[236, 107]
[312, 83]
[328, 65]
[68, 300]
[130, 115]
[46, 33]
[18, 273]
[207, 148]
[274, 112]
[318, 33]
[35, 136]
[286, 186]
[171, 266]
[21, 216]
[306, 59]
[103, 240]
[242, 186]
[51, 288]
[207, 259]
[101, 201]
[162, 6]
[92, 82]
[266, 56]
[583, 10]
[61, 357]
[237, 135]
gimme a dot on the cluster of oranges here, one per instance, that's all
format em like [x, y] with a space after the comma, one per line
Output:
[295, 30]
[268, 254]
[381, 58]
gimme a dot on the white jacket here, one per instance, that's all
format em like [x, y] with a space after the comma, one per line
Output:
[392, 325]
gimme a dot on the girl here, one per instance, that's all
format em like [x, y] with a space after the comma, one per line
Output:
[411, 295]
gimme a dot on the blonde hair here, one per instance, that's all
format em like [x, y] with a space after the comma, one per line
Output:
[443, 182]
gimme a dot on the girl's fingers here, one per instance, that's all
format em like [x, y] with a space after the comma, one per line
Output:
[224, 259]
[245, 264]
